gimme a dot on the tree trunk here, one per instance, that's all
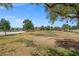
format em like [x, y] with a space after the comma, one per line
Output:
[5, 33]
[78, 24]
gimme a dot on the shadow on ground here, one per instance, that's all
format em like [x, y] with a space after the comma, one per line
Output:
[68, 43]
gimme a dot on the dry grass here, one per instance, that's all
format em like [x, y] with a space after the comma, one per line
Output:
[32, 43]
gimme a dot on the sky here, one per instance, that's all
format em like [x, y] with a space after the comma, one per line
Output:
[20, 11]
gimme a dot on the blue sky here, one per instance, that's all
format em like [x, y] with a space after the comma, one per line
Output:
[19, 12]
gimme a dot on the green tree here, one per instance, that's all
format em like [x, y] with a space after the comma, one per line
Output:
[27, 25]
[64, 10]
[4, 25]
[77, 24]
[74, 27]
[56, 28]
[66, 27]
[0, 27]
[42, 28]
[48, 28]
[51, 28]
[6, 5]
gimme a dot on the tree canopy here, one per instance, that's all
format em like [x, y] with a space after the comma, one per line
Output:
[4, 25]
[66, 27]
[6, 5]
[27, 25]
[77, 24]
[67, 11]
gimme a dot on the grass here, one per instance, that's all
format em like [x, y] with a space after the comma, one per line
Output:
[44, 33]
[6, 51]
[28, 44]
[58, 51]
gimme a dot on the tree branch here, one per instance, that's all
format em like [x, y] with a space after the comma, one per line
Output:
[50, 6]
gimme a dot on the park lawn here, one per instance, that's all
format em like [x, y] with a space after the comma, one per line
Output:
[39, 43]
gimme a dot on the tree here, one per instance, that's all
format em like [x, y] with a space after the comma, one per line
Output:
[66, 27]
[42, 28]
[0, 27]
[51, 28]
[4, 25]
[48, 28]
[27, 25]
[74, 27]
[77, 24]
[64, 10]
[6, 5]
[56, 28]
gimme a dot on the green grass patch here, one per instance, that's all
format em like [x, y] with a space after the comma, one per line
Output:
[58, 51]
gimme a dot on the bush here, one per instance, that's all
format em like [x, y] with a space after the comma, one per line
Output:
[61, 52]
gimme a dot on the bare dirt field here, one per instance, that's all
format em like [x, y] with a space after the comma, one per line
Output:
[36, 43]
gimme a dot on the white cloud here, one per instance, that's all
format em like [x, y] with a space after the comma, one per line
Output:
[19, 21]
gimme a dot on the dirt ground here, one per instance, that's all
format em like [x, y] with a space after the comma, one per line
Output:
[27, 43]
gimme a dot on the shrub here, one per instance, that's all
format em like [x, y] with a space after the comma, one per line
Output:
[61, 52]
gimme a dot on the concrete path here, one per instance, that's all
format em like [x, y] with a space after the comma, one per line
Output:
[2, 33]
[75, 30]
